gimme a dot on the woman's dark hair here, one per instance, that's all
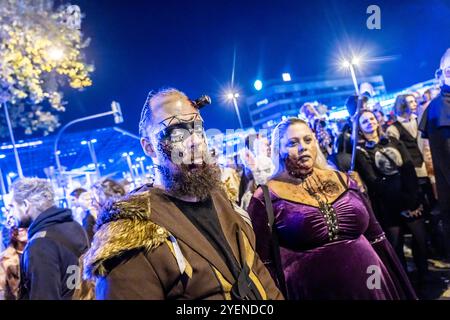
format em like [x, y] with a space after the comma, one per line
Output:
[401, 106]
[379, 110]
[108, 189]
[77, 192]
[361, 136]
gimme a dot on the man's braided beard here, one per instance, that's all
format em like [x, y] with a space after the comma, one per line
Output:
[194, 180]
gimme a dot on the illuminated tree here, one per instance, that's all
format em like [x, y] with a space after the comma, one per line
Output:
[40, 51]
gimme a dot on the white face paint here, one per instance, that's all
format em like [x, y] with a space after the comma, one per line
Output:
[445, 68]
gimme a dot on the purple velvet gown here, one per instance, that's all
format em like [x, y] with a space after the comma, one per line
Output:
[316, 267]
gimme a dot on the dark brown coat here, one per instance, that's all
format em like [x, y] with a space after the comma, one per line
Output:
[146, 248]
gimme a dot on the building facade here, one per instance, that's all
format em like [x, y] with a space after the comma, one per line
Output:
[276, 100]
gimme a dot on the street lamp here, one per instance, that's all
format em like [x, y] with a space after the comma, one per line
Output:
[128, 155]
[11, 134]
[9, 179]
[90, 144]
[258, 85]
[286, 77]
[141, 163]
[115, 111]
[233, 96]
[2, 182]
[351, 65]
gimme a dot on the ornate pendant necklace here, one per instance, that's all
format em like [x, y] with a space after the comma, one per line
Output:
[325, 208]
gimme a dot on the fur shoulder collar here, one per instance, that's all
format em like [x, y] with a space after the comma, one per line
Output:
[122, 226]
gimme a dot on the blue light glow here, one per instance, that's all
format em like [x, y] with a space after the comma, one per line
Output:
[286, 77]
[258, 85]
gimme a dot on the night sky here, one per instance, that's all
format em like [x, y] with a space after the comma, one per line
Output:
[142, 45]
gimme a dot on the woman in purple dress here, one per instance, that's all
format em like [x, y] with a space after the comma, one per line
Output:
[331, 245]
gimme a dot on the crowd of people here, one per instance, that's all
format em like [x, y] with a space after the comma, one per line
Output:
[286, 219]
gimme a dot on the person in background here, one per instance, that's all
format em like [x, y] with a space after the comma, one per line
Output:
[106, 190]
[318, 125]
[77, 209]
[102, 192]
[10, 264]
[258, 166]
[385, 166]
[309, 112]
[328, 235]
[405, 129]
[425, 101]
[380, 118]
[341, 157]
[230, 177]
[55, 241]
[435, 126]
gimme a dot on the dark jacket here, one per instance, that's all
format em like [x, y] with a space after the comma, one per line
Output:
[146, 248]
[435, 126]
[390, 194]
[88, 224]
[51, 257]
[411, 144]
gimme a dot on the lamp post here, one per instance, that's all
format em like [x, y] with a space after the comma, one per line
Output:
[90, 144]
[2, 182]
[11, 133]
[9, 179]
[233, 96]
[127, 156]
[141, 164]
[115, 111]
[351, 65]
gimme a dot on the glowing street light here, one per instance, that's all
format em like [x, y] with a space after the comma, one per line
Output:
[233, 96]
[351, 65]
[127, 156]
[90, 144]
[286, 77]
[346, 64]
[141, 163]
[356, 61]
[2, 182]
[258, 85]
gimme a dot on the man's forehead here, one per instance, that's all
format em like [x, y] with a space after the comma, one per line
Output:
[167, 106]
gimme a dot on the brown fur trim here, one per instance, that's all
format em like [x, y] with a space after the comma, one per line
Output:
[135, 207]
[125, 225]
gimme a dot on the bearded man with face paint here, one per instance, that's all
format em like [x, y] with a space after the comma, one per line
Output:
[435, 126]
[181, 238]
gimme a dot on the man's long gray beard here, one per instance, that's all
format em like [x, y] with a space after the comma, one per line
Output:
[191, 180]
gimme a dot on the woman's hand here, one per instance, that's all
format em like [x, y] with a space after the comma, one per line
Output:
[416, 213]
